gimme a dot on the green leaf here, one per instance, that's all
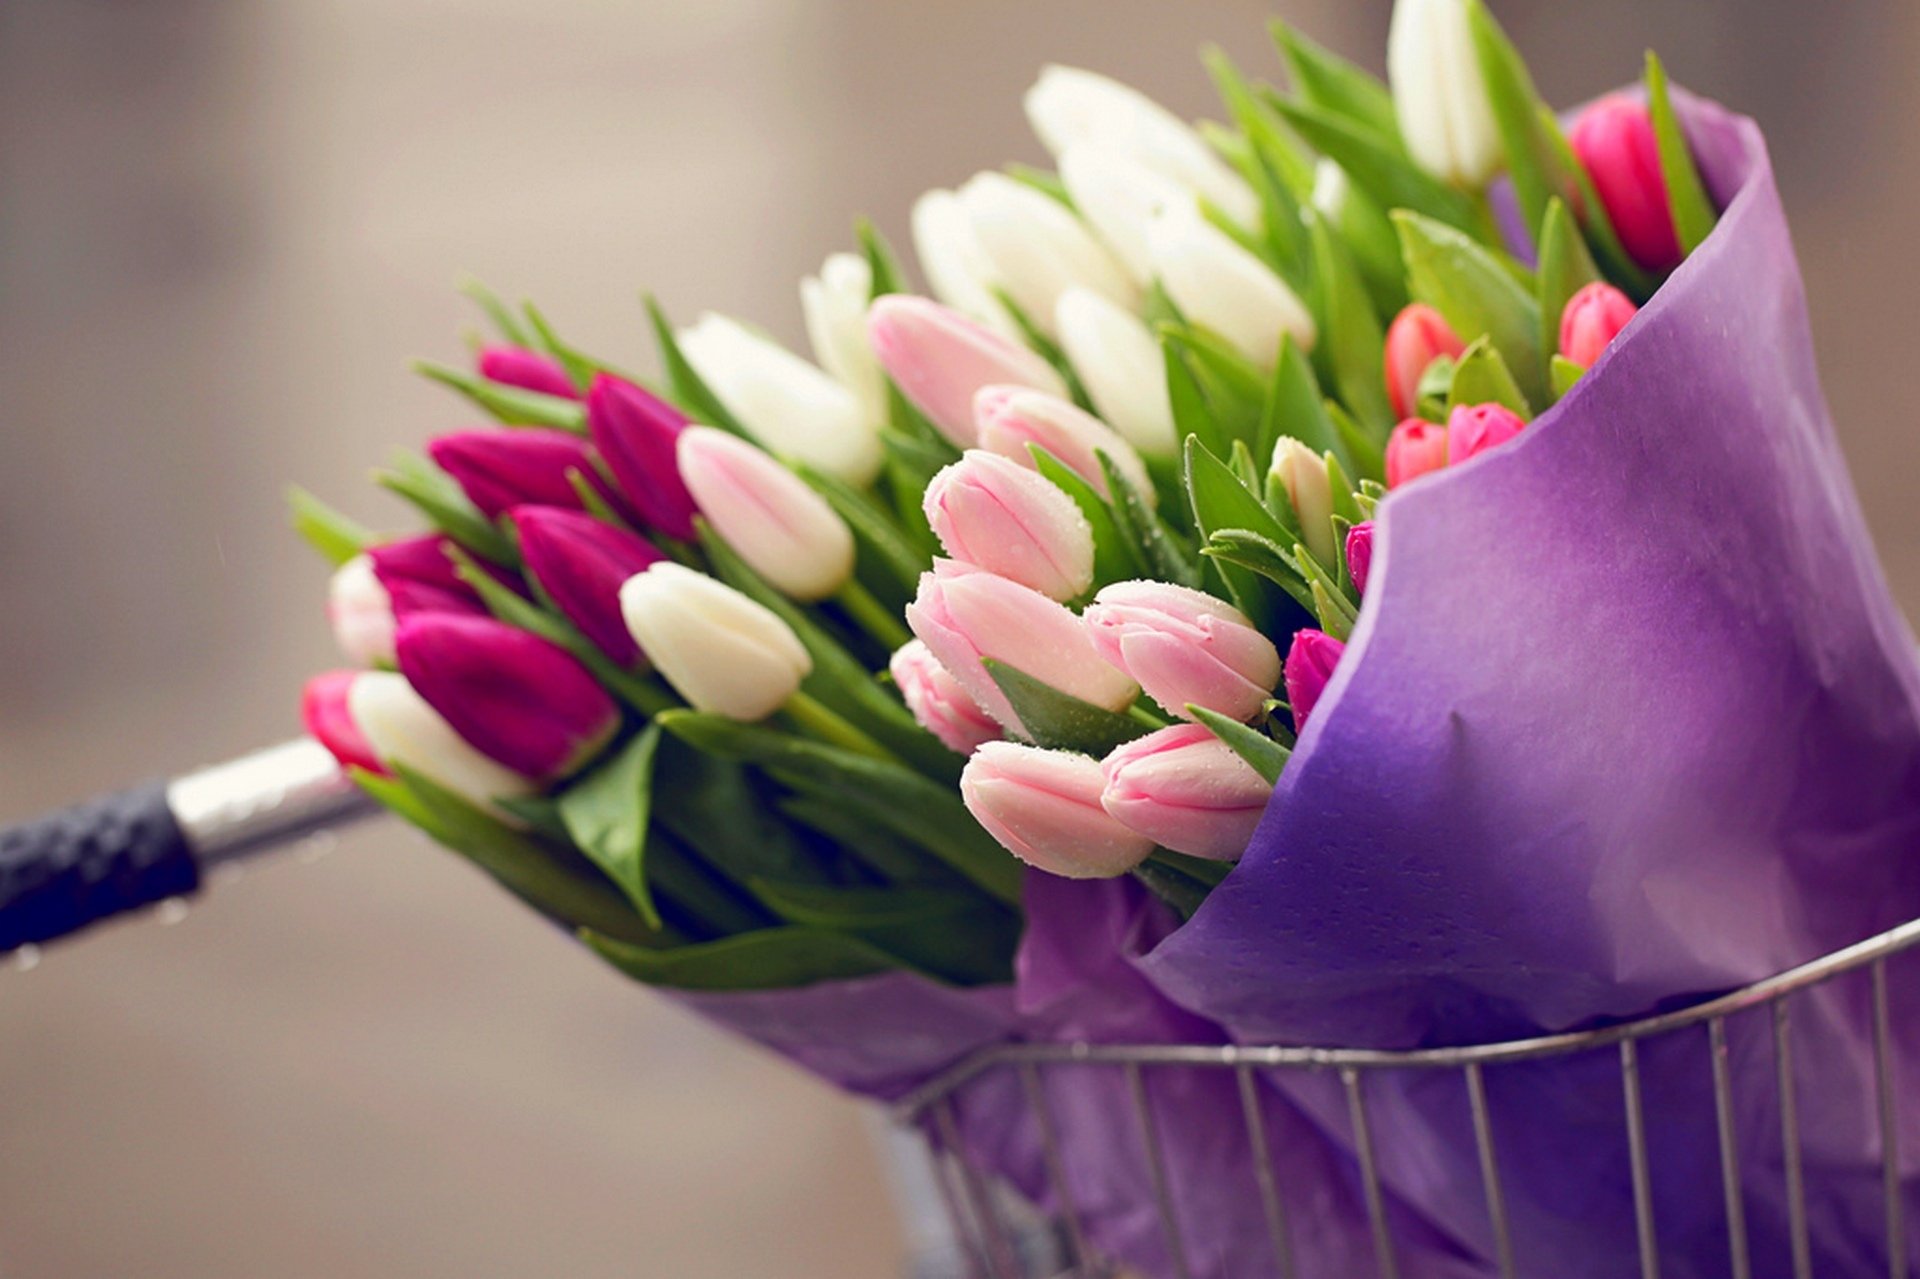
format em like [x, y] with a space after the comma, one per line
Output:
[1466, 283]
[499, 312]
[882, 265]
[718, 807]
[1233, 390]
[1353, 441]
[1351, 340]
[1481, 377]
[510, 405]
[1565, 268]
[1060, 721]
[1045, 181]
[1565, 374]
[1165, 560]
[771, 959]
[1377, 168]
[1536, 165]
[912, 461]
[607, 812]
[1263, 555]
[1363, 226]
[1220, 499]
[1693, 215]
[1326, 80]
[1279, 172]
[1294, 406]
[1601, 237]
[435, 495]
[580, 368]
[691, 889]
[886, 545]
[684, 384]
[1181, 882]
[1264, 755]
[889, 857]
[1335, 614]
[956, 936]
[337, 537]
[1115, 557]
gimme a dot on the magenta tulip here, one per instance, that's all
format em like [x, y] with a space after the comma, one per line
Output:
[1184, 647]
[581, 563]
[637, 433]
[1592, 319]
[1360, 554]
[937, 700]
[1615, 142]
[1044, 807]
[528, 370]
[1472, 429]
[1310, 664]
[502, 469]
[1186, 790]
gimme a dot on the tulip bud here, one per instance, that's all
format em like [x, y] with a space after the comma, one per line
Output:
[528, 370]
[1415, 447]
[1011, 419]
[1439, 96]
[323, 711]
[994, 514]
[937, 700]
[580, 564]
[939, 359]
[965, 615]
[635, 432]
[786, 532]
[1044, 808]
[1069, 108]
[1615, 142]
[1038, 247]
[1119, 197]
[1186, 790]
[519, 699]
[1219, 285]
[1593, 318]
[1303, 474]
[360, 613]
[956, 265]
[787, 404]
[1473, 429]
[404, 730]
[524, 466]
[1310, 663]
[419, 577]
[1360, 554]
[835, 305]
[1118, 360]
[1184, 647]
[1417, 337]
[726, 654]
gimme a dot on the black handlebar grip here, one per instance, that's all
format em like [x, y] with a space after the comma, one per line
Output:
[64, 871]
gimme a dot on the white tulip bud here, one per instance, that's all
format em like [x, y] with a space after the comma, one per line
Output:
[786, 532]
[1119, 196]
[789, 405]
[402, 729]
[1219, 285]
[835, 304]
[1303, 474]
[957, 268]
[726, 654]
[1439, 96]
[1038, 247]
[1121, 366]
[361, 613]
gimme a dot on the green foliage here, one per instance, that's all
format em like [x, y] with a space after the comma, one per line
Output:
[337, 537]
[1693, 215]
[1059, 720]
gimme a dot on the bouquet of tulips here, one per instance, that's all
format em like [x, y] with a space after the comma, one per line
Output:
[1161, 551]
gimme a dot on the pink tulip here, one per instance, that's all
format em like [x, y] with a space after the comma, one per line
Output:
[1593, 318]
[1184, 647]
[581, 563]
[1360, 554]
[772, 518]
[965, 615]
[995, 514]
[1186, 790]
[528, 465]
[1615, 142]
[937, 700]
[1045, 808]
[1416, 447]
[1012, 418]
[528, 370]
[636, 432]
[1418, 336]
[323, 711]
[1310, 664]
[939, 358]
[1472, 429]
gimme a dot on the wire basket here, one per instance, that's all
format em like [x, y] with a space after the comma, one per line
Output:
[1003, 1238]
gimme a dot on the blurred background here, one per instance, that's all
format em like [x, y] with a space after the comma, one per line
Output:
[224, 227]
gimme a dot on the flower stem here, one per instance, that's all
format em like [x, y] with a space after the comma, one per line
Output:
[832, 728]
[1141, 715]
[873, 616]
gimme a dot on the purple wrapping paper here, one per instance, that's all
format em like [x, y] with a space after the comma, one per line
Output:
[1628, 718]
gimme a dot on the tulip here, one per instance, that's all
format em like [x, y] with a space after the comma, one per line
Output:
[1186, 790]
[965, 615]
[1012, 419]
[938, 702]
[1184, 647]
[635, 432]
[1416, 447]
[519, 699]
[1039, 249]
[528, 370]
[940, 358]
[1360, 554]
[1593, 318]
[1219, 285]
[956, 265]
[1615, 142]
[786, 532]
[1044, 808]
[1310, 663]
[1417, 337]
[993, 513]
[1303, 475]
[531, 465]
[323, 711]
[419, 577]
[1119, 197]
[789, 405]
[1069, 107]
[835, 305]
[1439, 97]
[404, 731]
[360, 613]
[580, 564]
[1119, 362]
[1473, 429]
[726, 654]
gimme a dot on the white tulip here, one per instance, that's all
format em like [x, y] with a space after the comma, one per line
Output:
[726, 654]
[1331, 187]
[1439, 96]
[1067, 106]
[1219, 285]
[835, 304]
[1121, 366]
[1038, 247]
[1303, 474]
[1119, 196]
[361, 613]
[787, 404]
[403, 730]
[957, 268]
[786, 532]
